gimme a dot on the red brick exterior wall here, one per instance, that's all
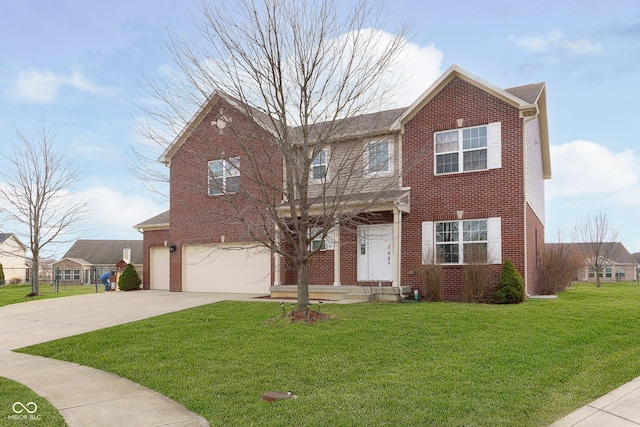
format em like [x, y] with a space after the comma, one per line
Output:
[151, 238]
[480, 194]
[197, 217]
[321, 264]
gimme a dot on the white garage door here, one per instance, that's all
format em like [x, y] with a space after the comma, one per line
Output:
[237, 267]
[159, 274]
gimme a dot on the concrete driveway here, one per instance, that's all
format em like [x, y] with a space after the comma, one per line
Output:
[86, 396]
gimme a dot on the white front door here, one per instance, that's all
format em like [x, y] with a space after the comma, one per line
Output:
[375, 253]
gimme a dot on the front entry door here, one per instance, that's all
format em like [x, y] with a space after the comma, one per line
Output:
[375, 253]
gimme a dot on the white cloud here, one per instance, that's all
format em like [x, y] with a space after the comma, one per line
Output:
[584, 169]
[113, 214]
[557, 41]
[42, 86]
[418, 71]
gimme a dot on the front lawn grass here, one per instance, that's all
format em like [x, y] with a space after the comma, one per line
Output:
[12, 294]
[43, 413]
[441, 364]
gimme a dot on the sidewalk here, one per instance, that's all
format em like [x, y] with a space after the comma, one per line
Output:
[619, 408]
[86, 396]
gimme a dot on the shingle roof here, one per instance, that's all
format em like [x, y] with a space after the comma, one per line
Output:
[105, 252]
[365, 124]
[619, 253]
[156, 221]
[529, 93]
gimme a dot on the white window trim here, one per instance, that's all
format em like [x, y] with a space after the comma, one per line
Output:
[494, 240]
[494, 149]
[326, 175]
[389, 160]
[329, 240]
[226, 167]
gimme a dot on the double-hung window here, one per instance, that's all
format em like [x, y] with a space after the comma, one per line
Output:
[320, 244]
[76, 274]
[224, 176]
[462, 242]
[67, 274]
[468, 149]
[620, 273]
[319, 166]
[379, 157]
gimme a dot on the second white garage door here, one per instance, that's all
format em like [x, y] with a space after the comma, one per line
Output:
[237, 267]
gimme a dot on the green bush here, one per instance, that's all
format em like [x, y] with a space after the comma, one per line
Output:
[2, 282]
[129, 279]
[510, 285]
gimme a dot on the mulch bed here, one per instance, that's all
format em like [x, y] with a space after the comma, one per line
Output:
[303, 316]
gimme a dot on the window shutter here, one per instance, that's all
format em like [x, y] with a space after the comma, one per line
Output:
[494, 145]
[494, 240]
[427, 241]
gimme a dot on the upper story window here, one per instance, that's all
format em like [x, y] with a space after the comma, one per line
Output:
[224, 176]
[319, 166]
[468, 149]
[379, 157]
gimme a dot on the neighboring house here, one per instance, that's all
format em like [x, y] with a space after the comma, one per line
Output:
[13, 256]
[86, 260]
[620, 265]
[468, 161]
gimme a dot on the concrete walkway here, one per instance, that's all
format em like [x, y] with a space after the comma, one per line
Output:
[86, 396]
[619, 408]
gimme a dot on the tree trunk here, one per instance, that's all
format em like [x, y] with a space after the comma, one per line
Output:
[35, 285]
[303, 283]
[598, 278]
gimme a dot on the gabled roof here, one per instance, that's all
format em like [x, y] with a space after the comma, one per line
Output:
[618, 255]
[158, 222]
[104, 252]
[529, 100]
[6, 236]
[258, 116]
[76, 260]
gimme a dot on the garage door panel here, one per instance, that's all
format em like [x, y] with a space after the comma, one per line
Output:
[242, 268]
[159, 273]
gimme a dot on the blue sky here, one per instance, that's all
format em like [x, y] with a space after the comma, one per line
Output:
[78, 64]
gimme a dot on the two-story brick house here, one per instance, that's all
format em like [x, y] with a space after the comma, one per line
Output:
[459, 172]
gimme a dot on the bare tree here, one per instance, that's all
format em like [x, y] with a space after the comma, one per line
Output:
[305, 73]
[36, 198]
[596, 239]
